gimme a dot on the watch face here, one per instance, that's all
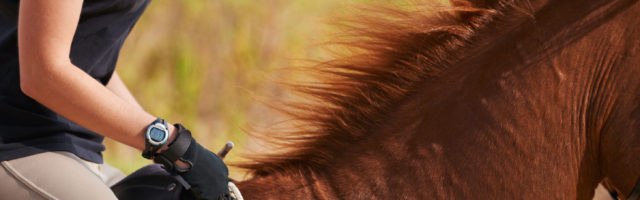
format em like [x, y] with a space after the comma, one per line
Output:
[156, 134]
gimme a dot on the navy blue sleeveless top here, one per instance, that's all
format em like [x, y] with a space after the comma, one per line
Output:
[26, 126]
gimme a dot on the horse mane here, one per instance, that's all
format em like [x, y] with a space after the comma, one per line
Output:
[381, 57]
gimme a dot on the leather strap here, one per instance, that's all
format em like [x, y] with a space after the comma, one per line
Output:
[175, 150]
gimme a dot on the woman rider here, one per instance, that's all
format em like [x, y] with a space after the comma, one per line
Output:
[59, 96]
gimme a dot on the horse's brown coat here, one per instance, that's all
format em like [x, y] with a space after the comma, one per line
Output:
[488, 100]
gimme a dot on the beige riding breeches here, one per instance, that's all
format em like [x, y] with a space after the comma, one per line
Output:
[56, 175]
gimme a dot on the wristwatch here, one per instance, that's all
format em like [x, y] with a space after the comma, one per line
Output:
[156, 135]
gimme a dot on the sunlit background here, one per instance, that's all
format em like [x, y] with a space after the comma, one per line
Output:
[203, 63]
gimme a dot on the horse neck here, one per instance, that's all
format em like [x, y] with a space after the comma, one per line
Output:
[298, 185]
[619, 140]
[528, 117]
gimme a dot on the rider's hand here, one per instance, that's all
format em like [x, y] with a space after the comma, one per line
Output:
[202, 170]
[208, 175]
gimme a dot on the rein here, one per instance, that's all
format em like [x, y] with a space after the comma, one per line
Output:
[234, 192]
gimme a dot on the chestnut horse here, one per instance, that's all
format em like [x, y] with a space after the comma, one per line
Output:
[495, 99]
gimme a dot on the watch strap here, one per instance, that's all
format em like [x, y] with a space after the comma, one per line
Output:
[149, 151]
[146, 153]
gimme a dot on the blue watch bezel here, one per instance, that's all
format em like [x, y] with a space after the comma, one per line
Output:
[161, 125]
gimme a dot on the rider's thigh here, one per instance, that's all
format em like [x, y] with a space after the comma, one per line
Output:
[51, 175]
[111, 174]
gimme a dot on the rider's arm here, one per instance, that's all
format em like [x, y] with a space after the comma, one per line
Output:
[116, 86]
[45, 33]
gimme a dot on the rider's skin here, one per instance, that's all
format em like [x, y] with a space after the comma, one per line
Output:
[45, 32]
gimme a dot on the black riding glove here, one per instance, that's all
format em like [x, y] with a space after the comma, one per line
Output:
[207, 177]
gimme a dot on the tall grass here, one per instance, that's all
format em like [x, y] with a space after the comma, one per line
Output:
[201, 62]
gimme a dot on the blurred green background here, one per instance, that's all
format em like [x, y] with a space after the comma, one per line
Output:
[203, 62]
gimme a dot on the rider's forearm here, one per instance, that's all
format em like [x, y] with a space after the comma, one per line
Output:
[119, 88]
[69, 91]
